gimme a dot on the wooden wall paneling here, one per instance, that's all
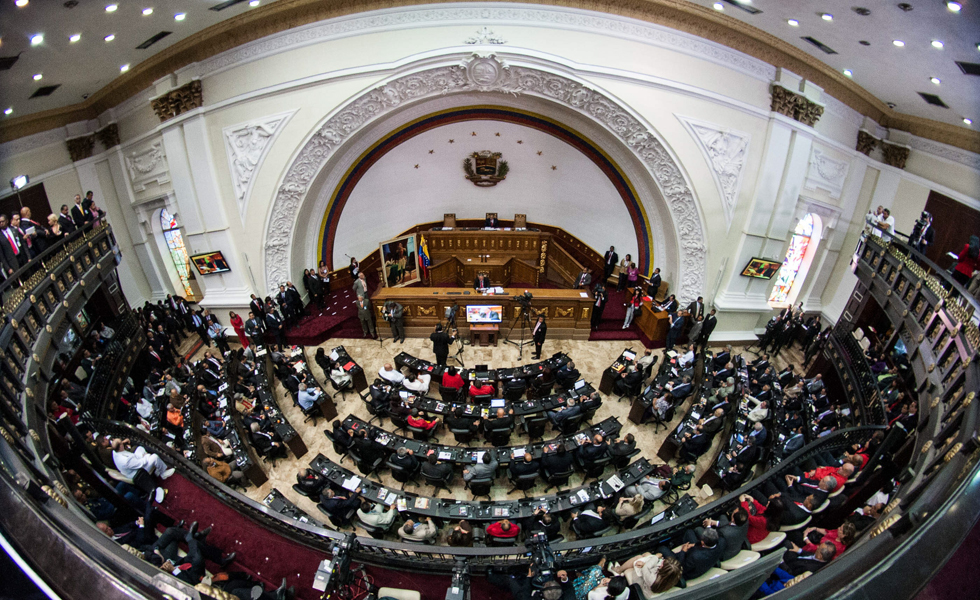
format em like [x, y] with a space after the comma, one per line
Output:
[954, 223]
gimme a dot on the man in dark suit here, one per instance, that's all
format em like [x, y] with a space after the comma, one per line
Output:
[78, 213]
[440, 344]
[502, 421]
[526, 466]
[601, 298]
[733, 530]
[65, 220]
[254, 329]
[538, 334]
[627, 380]
[338, 506]
[571, 409]
[491, 220]
[609, 263]
[696, 557]
[275, 325]
[693, 445]
[13, 247]
[404, 459]
[696, 308]
[434, 468]
[707, 327]
[567, 375]
[257, 307]
[583, 280]
[294, 299]
[654, 285]
[597, 449]
[676, 326]
[712, 425]
[795, 562]
[481, 282]
[556, 461]
[682, 390]
[365, 314]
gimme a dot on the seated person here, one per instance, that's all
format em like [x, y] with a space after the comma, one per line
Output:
[338, 375]
[796, 563]
[629, 505]
[682, 390]
[660, 407]
[339, 505]
[307, 398]
[840, 474]
[501, 420]
[696, 556]
[417, 419]
[374, 514]
[713, 424]
[544, 379]
[421, 532]
[190, 567]
[481, 282]
[405, 458]
[525, 466]
[452, 379]
[556, 461]
[434, 468]
[223, 472]
[591, 521]
[560, 414]
[514, 388]
[457, 420]
[693, 445]
[311, 482]
[596, 450]
[645, 361]
[623, 447]
[267, 444]
[682, 475]
[759, 433]
[649, 488]
[485, 469]
[391, 374]
[652, 572]
[504, 529]
[759, 409]
[686, 361]
[627, 380]
[481, 387]
[366, 449]
[462, 535]
[591, 402]
[567, 375]
[544, 522]
[138, 465]
[416, 383]
[339, 435]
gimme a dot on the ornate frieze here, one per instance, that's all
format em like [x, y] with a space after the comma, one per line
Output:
[725, 151]
[180, 100]
[795, 106]
[108, 136]
[894, 155]
[825, 173]
[80, 148]
[866, 142]
[246, 145]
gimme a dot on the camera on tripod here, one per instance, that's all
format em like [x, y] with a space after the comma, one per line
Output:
[541, 553]
[524, 299]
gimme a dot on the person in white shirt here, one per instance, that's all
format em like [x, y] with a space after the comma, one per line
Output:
[375, 515]
[417, 383]
[130, 462]
[645, 361]
[651, 488]
[759, 411]
[307, 398]
[687, 359]
[339, 376]
[390, 374]
[886, 223]
[871, 220]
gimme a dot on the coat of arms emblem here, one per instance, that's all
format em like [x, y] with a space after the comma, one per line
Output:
[485, 169]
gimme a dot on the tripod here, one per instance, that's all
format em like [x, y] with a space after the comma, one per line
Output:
[525, 320]
[451, 325]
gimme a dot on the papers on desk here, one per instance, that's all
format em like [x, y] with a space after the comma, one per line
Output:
[402, 504]
[223, 403]
[583, 496]
[383, 438]
[485, 413]
[261, 352]
[580, 438]
[583, 294]
[443, 455]
[334, 356]
[501, 511]
[222, 387]
[615, 483]
[351, 483]
[160, 392]
[422, 503]
[299, 366]
[478, 456]
[518, 452]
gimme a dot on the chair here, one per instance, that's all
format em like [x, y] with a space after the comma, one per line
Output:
[480, 487]
[523, 482]
[799, 525]
[482, 399]
[449, 395]
[534, 426]
[498, 437]
[821, 508]
[463, 436]
[556, 480]
[400, 423]
[742, 559]
[344, 521]
[375, 531]
[633, 521]
[579, 534]
[594, 468]
[501, 542]
[570, 425]
[312, 496]
[367, 468]
[313, 412]
[836, 492]
[543, 390]
[341, 389]
[773, 540]
[438, 482]
[375, 413]
[711, 574]
[419, 433]
[403, 475]
[632, 391]
[513, 394]
[341, 450]
[621, 462]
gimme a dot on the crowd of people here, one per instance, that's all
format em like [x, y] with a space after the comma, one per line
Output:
[26, 237]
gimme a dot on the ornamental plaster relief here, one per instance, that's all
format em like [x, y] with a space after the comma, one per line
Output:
[246, 145]
[725, 151]
[825, 173]
[147, 166]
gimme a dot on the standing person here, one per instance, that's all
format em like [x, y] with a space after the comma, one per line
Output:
[395, 314]
[239, 326]
[254, 329]
[39, 237]
[654, 285]
[274, 323]
[886, 223]
[78, 213]
[66, 221]
[354, 268]
[13, 248]
[583, 280]
[55, 233]
[632, 275]
[217, 333]
[258, 307]
[633, 307]
[197, 321]
[538, 334]
[365, 316]
[707, 327]
[440, 344]
[609, 263]
[922, 234]
[360, 285]
[601, 297]
[324, 273]
[624, 265]
[676, 326]
[968, 260]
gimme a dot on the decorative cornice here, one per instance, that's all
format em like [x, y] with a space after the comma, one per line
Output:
[866, 142]
[246, 145]
[963, 157]
[179, 100]
[894, 155]
[718, 29]
[786, 102]
[108, 135]
[80, 148]
[32, 142]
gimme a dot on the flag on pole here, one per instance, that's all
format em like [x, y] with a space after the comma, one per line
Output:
[424, 255]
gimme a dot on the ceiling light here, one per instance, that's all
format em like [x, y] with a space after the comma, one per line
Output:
[965, 120]
[20, 4]
[254, 3]
[147, 12]
[827, 17]
[719, 6]
[937, 44]
[935, 80]
[793, 23]
[110, 37]
[19, 181]
[898, 43]
[954, 6]
[848, 73]
[37, 38]
[180, 16]
[111, 7]
[10, 109]
[74, 37]
[124, 68]
[38, 76]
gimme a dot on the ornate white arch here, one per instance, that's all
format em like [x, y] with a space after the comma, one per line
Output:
[488, 74]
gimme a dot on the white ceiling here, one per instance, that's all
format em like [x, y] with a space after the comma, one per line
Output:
[85, 66]
[892, 74]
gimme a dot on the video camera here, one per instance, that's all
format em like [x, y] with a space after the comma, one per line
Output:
[523, 299]
[541, 553]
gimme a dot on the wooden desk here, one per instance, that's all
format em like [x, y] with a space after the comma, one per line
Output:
[462, 271]
[654, 325]
[486, 332]
[567, 312]
[495, 242]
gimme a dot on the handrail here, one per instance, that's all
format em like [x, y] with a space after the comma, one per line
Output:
[869, 395]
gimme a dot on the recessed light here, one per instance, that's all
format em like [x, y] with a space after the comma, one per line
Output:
[110, 37]
[848, 73]
[180, 16]
[20, 4]
[935, 80]
[865, 43]
[74, 37]
[827, 17]
[147, 12]
[898, 43]
[719, 6]
[38, 76]
[37, 38]
[937, 44]
[10, 110]
[954, 6]
[793, 23]
[254, 3]
[965, 120]
[124, 68]
[111, 7]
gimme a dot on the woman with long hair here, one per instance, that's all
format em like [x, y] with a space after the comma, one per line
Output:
[239, 326]
[624, 266]
[655, 572]
[968, 261]
[615, 588]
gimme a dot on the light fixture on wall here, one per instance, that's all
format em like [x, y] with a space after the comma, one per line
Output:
[18, 182]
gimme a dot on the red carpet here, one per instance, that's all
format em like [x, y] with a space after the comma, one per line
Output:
[611, 325]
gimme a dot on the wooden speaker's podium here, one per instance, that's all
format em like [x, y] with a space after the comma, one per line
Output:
[449, 220]
[520, 221]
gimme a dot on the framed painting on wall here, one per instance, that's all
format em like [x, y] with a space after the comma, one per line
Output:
[400, 262]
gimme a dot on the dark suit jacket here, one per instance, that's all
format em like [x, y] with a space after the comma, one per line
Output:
[10, 260]
[610, 261]
[555, 463]
[519, 467]
[439, 470]
[654, 285]
[486, 283]
[712, 424]
[408, 462]
[590, 452]
[540, 333]
[699, 559]
[440, 342]
[272, 323]
[795, 564]
[66, 223]
[696, 310]
[491, 222]
[697, 445]
[734, 536]
[80, 216]
[590, 525]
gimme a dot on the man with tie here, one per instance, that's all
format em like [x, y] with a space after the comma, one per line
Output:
[609, 263]
[365, 314]
[274, 324]
[601, 297]
[78, 213]
[360, 286]
[257, 307]
[696, 308]
[481, 282]
[38, 237]
[197, 321]
[13, 248]
[538, 334]
[583, 280]
[65, 220]
[654, 286]
[282, 298]
[491, 221]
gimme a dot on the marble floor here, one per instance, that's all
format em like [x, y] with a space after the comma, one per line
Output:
[591, 358]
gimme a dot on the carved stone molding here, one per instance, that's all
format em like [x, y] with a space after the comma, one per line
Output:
[825, 173]
[795, 106]
[108, 136]
[246, 145]
[147, 166]
[439, 81]
[485, 36]
[894, 155]
[80, 148]
[866, 142]
[180, 100]
[725, 151]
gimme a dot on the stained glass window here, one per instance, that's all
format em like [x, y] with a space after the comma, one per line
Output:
[788, 274]
[175, 242]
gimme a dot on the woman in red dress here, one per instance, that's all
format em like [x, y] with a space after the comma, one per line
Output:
[239, 326]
